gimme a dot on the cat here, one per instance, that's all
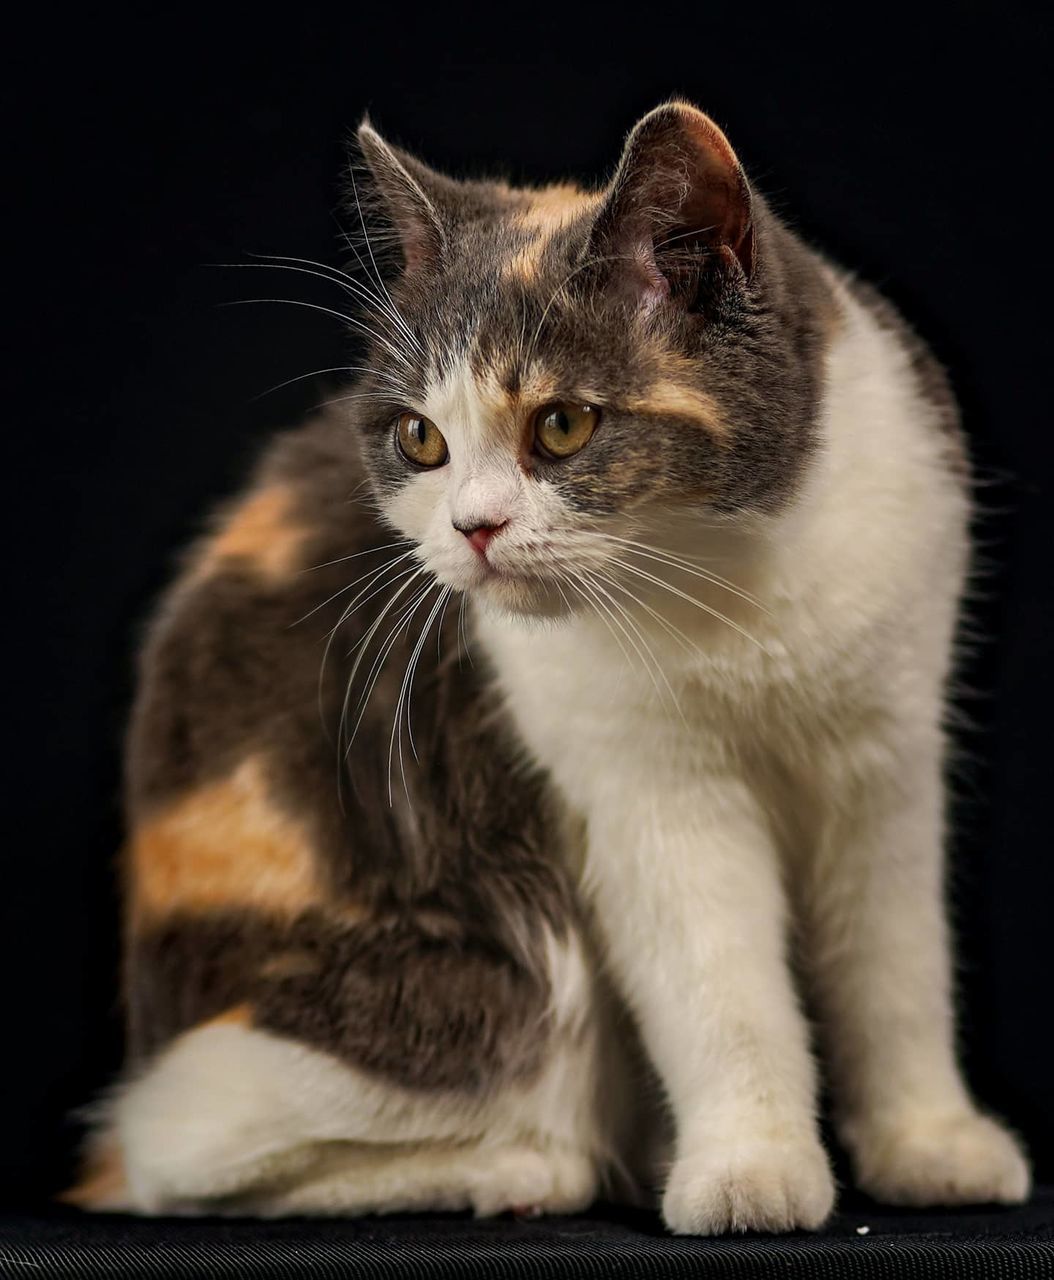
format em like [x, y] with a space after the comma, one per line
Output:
[538, 703]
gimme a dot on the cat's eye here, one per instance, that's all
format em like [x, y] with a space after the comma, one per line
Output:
[560, 430]
[420, 440]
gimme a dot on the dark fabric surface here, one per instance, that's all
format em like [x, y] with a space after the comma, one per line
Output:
[989, 1243]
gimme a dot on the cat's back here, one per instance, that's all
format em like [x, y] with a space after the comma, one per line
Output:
[252, 596]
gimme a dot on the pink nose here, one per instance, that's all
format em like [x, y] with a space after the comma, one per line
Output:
[480, 535]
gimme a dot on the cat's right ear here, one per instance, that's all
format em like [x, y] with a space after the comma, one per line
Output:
[390, 197]
[678, 210]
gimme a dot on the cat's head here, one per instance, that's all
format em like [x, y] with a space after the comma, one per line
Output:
[552, 370]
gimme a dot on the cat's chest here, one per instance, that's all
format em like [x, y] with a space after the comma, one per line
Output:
[577, 693]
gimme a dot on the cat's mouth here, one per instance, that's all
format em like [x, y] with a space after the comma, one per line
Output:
[520, 580]
[490, 573]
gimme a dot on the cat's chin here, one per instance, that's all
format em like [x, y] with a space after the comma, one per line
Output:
[523, 599]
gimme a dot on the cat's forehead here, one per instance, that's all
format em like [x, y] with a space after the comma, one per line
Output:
[511, 250]
[540, 226]
[507, 324]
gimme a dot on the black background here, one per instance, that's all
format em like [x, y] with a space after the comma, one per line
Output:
[913, 144]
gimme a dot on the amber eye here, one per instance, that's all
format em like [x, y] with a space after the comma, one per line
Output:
[562, 429]
[420, 440]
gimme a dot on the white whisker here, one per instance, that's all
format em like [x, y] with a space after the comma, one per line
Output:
[378, 663]
[405, 690]
[376, 269]
[302, 377]
[462, 634]
[675, 561]
[384, 305]
[675, 632]
[356, 323]
[573, 580]
[689, 599]
[353, 288]
[375, 578]
[376, 570]
[387, 546]
[654, 665]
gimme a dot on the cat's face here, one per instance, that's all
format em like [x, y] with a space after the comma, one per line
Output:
[557, 371]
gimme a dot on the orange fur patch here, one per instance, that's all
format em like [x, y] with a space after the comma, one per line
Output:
[538, 387]
[102, 1185]
[224, 845]
[523, 266]
[238, 1015]
[261, 534]
[547, 211]
[289, 964]
[552, 207]
[675, 400]
[511, 408]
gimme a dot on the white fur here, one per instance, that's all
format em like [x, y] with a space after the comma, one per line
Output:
[233, 1117]
[769, 775]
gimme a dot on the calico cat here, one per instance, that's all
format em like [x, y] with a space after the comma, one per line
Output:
[503, 743]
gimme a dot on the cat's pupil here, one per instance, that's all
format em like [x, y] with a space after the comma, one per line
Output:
[561, 422]
[420, 431]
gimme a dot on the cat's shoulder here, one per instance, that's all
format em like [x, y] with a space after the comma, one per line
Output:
[930, 379]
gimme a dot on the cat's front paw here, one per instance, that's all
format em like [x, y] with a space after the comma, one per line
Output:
[935, 1158]
[763, 1185]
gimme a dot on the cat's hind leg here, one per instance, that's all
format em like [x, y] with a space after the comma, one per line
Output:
[232, 1117]
[357, 1178]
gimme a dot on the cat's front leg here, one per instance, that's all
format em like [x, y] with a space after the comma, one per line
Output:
[687, 891]
[877, 944]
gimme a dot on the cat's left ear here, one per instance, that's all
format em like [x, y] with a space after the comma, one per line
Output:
[679, 205]
[396, 191]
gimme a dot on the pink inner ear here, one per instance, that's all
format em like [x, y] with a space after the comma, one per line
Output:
[679, 185]
[418, 249]
[718, 196]
[656, 286]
